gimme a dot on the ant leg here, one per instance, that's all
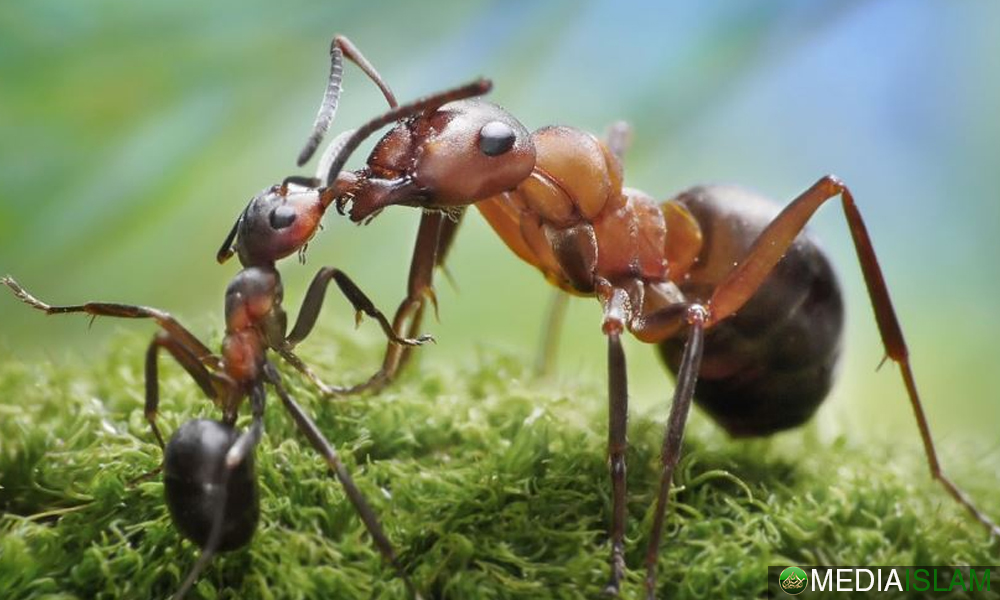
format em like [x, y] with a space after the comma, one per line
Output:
[248, 440]
[183, 355]
[237, 453]
[687, 376]
[617, 444]
[126, 311]
[616, 306]
[446, 237]
[300, 366]
[187, 349]
[410, 312]
[332, 459]
[548, 346]
[362, 305]
[744, 280]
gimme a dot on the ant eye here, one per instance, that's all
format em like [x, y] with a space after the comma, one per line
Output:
[495, 138]
[282, 217]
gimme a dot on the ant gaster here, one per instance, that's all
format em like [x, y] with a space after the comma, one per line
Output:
[208, 469]
[743, 305]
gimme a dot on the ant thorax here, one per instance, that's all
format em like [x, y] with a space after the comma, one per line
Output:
[255, 320]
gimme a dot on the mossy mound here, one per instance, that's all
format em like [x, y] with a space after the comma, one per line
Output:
[490, 484]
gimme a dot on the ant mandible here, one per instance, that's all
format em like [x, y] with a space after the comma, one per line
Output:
[743, 305]
[208, 466]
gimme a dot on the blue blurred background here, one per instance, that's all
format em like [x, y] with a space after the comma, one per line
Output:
[131, 135]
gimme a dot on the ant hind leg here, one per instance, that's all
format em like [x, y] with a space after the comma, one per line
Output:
[316, 439]
[744, 280]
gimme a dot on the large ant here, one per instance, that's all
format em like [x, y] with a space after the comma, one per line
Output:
[743, 305]
[208, 465]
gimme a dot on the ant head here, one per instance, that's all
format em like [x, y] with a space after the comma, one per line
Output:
[462, 152]
[469, 150]
[276, 223]
[281, 220]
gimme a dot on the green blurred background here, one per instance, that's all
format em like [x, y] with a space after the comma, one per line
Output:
[131, 135]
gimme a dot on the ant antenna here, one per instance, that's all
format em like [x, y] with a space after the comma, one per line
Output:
[340, 47]
[327, 108]
[226, 250]
[469, 90]
[331, 152]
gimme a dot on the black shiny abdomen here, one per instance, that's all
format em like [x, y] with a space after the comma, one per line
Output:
[769, 366]
[192, 469]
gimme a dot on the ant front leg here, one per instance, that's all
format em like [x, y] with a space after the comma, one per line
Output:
[744, 280]
[447, 231]
[187, 349]
[309, 312]
[362, 305]
[432, 234]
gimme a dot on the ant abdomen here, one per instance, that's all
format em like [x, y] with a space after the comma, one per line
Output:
[193, 473]
[768, 367]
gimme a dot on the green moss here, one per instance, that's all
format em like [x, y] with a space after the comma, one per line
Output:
[490, 484]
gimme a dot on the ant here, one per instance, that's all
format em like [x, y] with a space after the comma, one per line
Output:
[743, 305]
[208, 465]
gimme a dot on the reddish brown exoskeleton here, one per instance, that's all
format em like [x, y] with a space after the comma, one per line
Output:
[742, 304]
[208, 472]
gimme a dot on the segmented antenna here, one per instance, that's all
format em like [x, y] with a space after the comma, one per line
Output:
[226, 251]
[339, 48]
[328, 108]
[469, 90]
[331, 152]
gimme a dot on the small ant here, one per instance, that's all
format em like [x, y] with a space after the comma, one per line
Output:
[743, 305]
[208, 465]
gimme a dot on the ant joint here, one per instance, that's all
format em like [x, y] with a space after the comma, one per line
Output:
[697, 314]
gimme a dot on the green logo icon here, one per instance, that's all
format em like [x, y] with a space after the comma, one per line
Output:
[793, 581]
